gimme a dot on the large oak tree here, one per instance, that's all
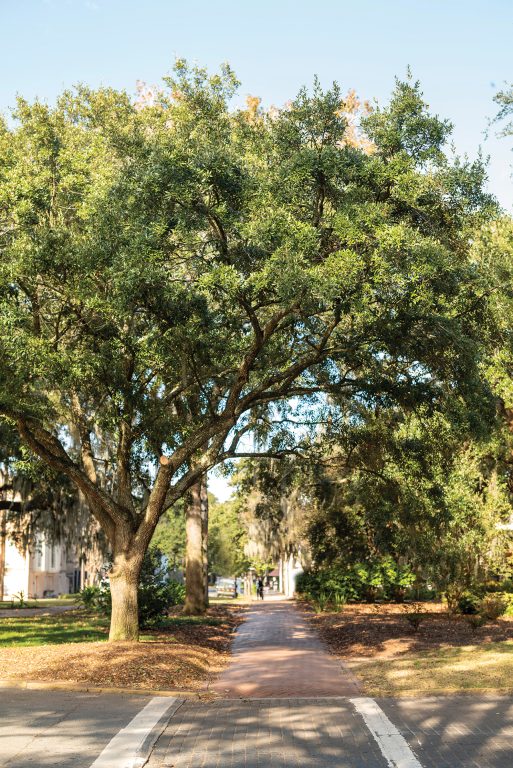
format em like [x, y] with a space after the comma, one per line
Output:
[174, 271]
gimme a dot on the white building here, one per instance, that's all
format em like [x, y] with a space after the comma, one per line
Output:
[45, 569]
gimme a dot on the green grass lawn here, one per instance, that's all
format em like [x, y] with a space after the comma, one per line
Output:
[171, 622]
[78, 626]
[43, 603]
[465, 668]
[70, 627]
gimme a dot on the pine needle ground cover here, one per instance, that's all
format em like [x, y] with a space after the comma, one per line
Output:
[186, 653]
[446, 654]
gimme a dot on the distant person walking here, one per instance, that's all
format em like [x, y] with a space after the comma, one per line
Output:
[260, 589]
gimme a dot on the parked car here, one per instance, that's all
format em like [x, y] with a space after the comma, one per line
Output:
[226, 587]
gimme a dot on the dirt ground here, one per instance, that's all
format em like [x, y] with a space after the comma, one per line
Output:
[187, 657]
[363, 631]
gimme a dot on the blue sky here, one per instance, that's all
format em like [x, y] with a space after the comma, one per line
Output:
[460, 50]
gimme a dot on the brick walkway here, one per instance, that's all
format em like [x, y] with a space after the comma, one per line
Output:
[276, 654]
[287, 704]
[267, 733]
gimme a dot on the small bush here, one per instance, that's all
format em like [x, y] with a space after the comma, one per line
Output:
[321, 602]
[379, 579]
[175, 593]
[452, 595]
[475, 621]
[468, 603]
[88, 597]
[155, 595]
[492, 606]
[414, 615]
[461, 600]
[494, 585]
[19, 598]
[155, 601]
[339, 600]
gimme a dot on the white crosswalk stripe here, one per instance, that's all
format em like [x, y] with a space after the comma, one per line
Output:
[131, 745]
[393, 746]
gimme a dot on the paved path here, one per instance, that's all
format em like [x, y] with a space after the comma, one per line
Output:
[319, 720]
[440, 732]
[287, 703]
[267, 733]
[45, 729]
[276, 654]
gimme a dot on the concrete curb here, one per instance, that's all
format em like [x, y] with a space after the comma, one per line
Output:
[34, 685]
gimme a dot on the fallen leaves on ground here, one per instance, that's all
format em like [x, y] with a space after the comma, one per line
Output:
[383, 632]
[446, 654]
[184, 657]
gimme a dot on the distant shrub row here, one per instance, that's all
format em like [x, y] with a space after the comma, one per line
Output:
[383, 579]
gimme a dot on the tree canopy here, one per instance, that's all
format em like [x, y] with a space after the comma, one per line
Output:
[176, 274]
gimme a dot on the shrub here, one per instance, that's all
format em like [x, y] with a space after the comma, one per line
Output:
[461, 600]
[475, 621]
[156, 592]
[321, 601]
[414, 615]
[19, 597]
[494, 585]
[88, 597]
[306, 583]
[452, 595]
[339, 600]
[492, 606]
[381, 579]
[154, 601]
[468, 603]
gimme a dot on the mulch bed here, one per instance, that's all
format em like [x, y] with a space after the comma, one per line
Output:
[186, 657]
[364, 631]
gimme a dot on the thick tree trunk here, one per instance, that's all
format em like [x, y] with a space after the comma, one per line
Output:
[2, 552]
[204, 535]
[124, 581]
[196, 524]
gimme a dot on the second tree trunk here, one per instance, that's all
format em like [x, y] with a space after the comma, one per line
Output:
[196, 557]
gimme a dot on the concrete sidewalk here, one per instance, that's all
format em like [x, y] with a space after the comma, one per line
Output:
[46, 729]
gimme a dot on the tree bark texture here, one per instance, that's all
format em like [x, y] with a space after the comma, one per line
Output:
[2, 552]
[196, 562]
[124, 581]
[204, 535]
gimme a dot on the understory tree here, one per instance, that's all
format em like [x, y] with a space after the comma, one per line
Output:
[176, 275]
[417, 487]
